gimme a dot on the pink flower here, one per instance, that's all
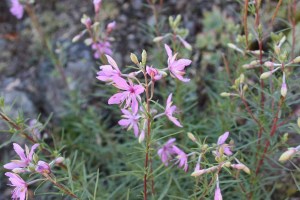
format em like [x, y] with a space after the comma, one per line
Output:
[25, 159]
[20, 186]
[165, 153]
[97, 5]
[107, 72]
[131, 93]
[182, 158]
[16, 9]
[170, 110]
[223, 146]
[176, 67]
[153, 73]
[169, 151]
[131, 121]
[43, 168]
[110, 27]
[218, 194]
[101, 48]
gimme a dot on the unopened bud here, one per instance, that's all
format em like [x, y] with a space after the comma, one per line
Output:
[134, 58]
[198, 172]
[191, 136]
[245, 87]
[298, 122]
[241, 166]
[76, 38]
[287, 155]
[256, 52]
[158, 39]
[254, 62]
[266, 75]
[242, 78]
[142, 136]
[144, 57]
[297, 60]
[225, 94]
[269, 64]
[227, 164]
[59, 160]
[43, 168]
[283, 90]
[35, 158]
[247, 66]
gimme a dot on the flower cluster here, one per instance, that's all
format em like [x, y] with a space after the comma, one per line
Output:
[28, 163]
[130, 89]
[99, 40]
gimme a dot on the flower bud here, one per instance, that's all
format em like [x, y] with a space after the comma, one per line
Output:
[158, 39]
[86, 21]
[191, 136]
[266, 75]
[287, 155]
[59, 160]
[199, 172]
[142, 136]
[298, 122]
[225, 94]
[134, 59]
[227, 164]
[43, 168]
[76, 38]
[296, 60]
[241, 166]
[242, 78]
[269, 64]
[144, 57]
[283, 90]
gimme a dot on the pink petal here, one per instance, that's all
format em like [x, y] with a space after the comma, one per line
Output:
[168, 50]
[169, 100]
[117, 98]
[138, 89]
[218, 195]
[13, 165]
[181, 64]
[124, 122]
[120, 83]
[32, 151]
[112, 62]
[223, 138]
[175, 121]
[136, 129]
[20, 151]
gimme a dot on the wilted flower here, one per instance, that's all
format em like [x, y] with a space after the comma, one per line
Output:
[43, 168]
[131, 121]
[101, 48]
[107, 72]
[176, 67]
[182, 158]
[131, 93]
[222, 146]
[170, 110]
[25, 159]
[153, 73]
[20, 191]
[169, 151]
[16, 9]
